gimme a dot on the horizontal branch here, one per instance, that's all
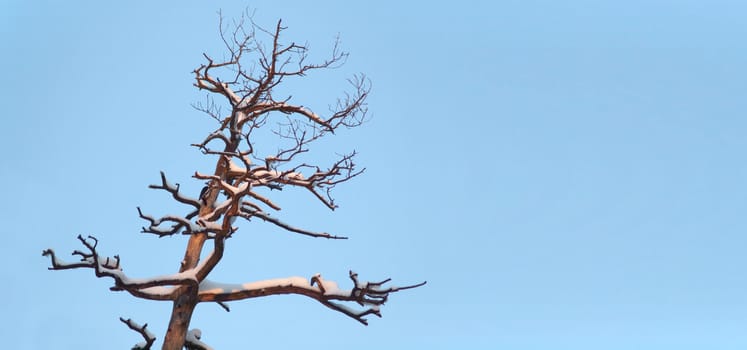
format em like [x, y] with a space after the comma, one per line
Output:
[370, 295]
[252, 111]
[149, 288]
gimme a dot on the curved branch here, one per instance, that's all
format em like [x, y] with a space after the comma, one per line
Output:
[214, 135]
[271, 106]
[370, 295]
[174, 190]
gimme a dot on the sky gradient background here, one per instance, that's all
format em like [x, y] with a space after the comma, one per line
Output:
[565, 174]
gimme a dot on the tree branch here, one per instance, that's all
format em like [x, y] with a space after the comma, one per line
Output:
[370, 295]
[150, 288]
[174, 190]
[192, 340]
[146, 334]
[181, 224]
[248, 213]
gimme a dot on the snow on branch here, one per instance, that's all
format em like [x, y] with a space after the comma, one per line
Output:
[192, 340]
[369, 295]
[157, 288]
[320, 182]
[146, 334]
[180, 224]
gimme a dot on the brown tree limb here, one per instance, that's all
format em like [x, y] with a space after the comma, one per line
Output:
[271, 106]
[150, 288]
[248, 213]
[181, 225]
[146, 334]
[370, 295]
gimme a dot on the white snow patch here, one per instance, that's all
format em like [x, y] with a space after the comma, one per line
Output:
[212, 287]
[193, 336]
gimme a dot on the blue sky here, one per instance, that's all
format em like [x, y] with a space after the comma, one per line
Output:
[566, 175]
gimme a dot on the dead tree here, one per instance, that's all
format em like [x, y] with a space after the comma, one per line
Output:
[238, 186]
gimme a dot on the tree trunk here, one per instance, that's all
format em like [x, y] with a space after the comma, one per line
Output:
[181, 314]
[186, 300]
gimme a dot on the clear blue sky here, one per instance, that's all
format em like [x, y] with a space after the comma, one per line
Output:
[565, 174]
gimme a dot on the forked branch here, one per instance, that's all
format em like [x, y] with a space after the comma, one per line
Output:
[174, 190]
[150, 288]
[146, 334]
[178, 225]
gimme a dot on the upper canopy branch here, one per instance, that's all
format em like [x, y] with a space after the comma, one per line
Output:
[260, 108]
[246, 77]
[253, 72]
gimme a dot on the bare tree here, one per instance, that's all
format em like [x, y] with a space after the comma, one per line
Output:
[237, 188]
